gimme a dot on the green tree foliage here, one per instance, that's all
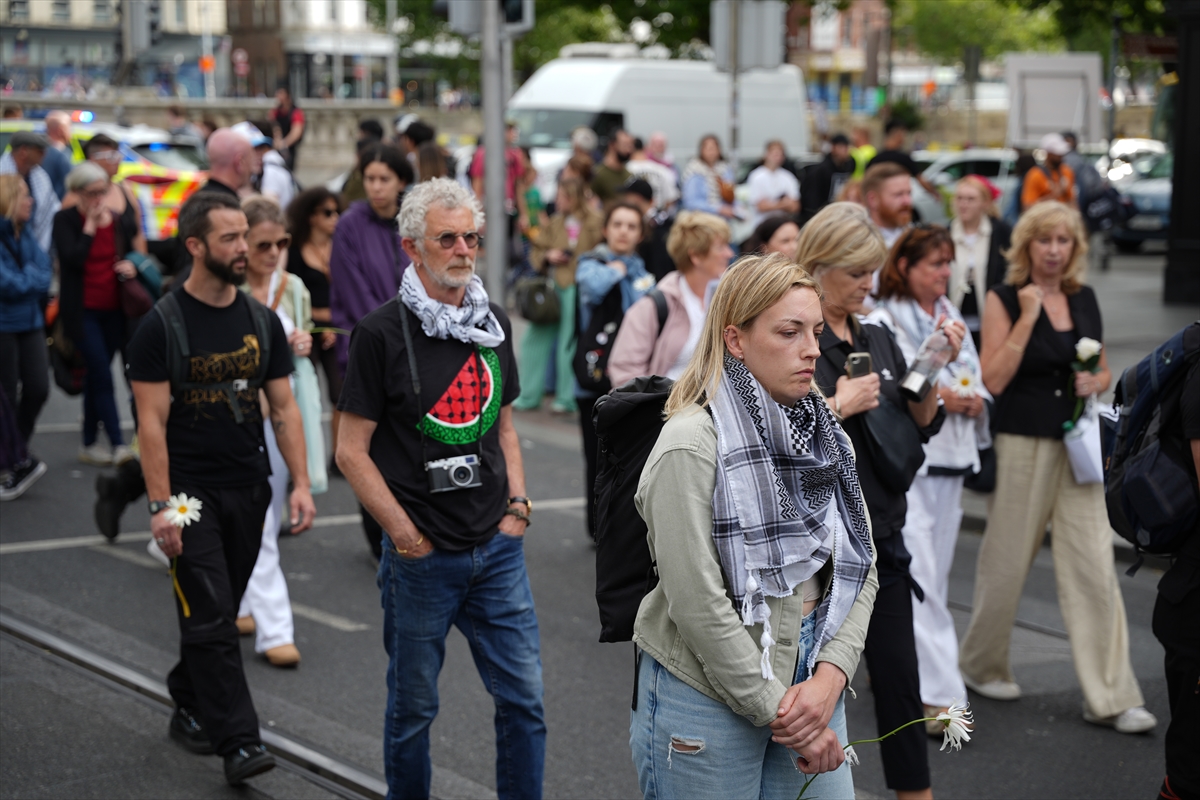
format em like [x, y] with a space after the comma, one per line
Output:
[942, 28]
[1078, 18]
[424, 39]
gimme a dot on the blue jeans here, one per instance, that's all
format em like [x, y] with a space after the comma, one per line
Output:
[103, 336]
[736, 761]
[485, 592]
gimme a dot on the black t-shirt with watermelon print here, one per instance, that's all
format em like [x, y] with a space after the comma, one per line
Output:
[379, 387]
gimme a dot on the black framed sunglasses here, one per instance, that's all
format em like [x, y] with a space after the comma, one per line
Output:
[282, 244]
[330, 212]
[447, 240]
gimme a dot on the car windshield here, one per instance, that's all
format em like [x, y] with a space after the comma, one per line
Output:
[552, 127]
[1163, 168]
[185, 157]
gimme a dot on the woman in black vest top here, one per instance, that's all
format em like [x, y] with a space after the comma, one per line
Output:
[1031, 325]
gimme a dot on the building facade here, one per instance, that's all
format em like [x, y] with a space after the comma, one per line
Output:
[320, 48]
[70, 47]
[843, 52]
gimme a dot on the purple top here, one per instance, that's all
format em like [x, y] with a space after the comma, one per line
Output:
[364, 269]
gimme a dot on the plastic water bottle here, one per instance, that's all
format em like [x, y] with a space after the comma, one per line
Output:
[933, 356]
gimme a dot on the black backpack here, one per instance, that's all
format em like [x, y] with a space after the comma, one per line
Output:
[1149, 489]
[628, 421]
[179, 352]
[595, 344]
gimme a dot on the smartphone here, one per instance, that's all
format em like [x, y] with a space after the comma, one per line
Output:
[858, 365]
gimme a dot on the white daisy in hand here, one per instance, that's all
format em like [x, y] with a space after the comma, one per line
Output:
[851, 756]
[964, 381]
[183, 510]
[958, 721]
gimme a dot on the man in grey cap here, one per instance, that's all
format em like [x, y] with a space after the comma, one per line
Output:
[25, 158]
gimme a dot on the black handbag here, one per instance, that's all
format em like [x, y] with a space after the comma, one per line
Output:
[66, 362]
[537, 300]
[893, 445]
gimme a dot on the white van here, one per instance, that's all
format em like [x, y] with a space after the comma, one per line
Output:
[683, 99]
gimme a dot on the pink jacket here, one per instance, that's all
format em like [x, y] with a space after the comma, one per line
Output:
[640, 348]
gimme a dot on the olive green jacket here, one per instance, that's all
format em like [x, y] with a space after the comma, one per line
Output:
[688, 622]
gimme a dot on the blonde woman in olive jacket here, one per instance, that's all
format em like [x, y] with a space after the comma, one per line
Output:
[756, 625]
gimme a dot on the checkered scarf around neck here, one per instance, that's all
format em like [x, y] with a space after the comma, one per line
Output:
[787, 500]
[473, 322]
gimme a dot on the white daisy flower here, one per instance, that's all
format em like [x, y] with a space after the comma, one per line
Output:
[958, 721]
[183, 510]
[964, 381]
[851, 756]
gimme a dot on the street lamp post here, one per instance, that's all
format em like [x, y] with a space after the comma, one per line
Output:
[495, 145]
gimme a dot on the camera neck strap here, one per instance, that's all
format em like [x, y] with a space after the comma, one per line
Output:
[415, 376]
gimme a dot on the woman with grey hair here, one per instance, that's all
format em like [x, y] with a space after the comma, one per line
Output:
[92, 242]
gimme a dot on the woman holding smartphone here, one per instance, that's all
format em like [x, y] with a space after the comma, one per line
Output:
[861, 367]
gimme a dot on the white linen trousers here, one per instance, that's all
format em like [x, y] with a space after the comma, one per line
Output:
[930, 533]
[266, 598]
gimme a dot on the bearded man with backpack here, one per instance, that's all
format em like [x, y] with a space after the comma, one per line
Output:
[196, 367]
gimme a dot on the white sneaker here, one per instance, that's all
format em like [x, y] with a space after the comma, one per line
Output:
[1131, 720]
[122, 453]
[994, 690]
[97, 455]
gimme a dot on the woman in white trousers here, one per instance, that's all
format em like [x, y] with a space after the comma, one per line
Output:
[912, 302]
[266, 609]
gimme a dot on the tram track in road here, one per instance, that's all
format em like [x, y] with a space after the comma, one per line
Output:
[303, 760]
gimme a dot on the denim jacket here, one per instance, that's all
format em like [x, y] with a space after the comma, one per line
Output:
[687, 622]
[25, 274]
[596, 279]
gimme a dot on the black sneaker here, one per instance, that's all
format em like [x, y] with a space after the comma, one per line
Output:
[246, 762]
[109, 505]
[21, 478]
[188, 731]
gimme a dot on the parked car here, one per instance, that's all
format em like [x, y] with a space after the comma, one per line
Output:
[1150, 195]
[946, 168]
[160, 169]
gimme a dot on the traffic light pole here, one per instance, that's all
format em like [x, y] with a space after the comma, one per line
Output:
[495, 144]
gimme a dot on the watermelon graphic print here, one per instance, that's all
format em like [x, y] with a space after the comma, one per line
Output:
[471, 403]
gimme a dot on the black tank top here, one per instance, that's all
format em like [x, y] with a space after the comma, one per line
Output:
[1040, 399]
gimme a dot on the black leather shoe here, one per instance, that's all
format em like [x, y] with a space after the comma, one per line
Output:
[188, 731]
[248, 761]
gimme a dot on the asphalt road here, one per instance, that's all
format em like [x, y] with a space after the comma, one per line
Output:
[116, 601]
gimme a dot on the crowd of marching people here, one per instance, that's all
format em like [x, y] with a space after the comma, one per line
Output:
[834, 389]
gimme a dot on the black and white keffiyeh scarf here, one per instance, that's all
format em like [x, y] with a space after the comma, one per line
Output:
[787, 500]
[473, 322]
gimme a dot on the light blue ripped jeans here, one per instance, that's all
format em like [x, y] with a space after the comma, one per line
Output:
[736, 760]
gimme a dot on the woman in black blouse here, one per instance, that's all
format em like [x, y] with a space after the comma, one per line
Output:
[313, 217]
[843, 250]
[1032, 324]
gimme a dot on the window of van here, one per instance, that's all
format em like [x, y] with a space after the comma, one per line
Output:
[552, 127]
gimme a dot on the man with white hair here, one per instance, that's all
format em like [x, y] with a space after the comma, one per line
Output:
[427, 443]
